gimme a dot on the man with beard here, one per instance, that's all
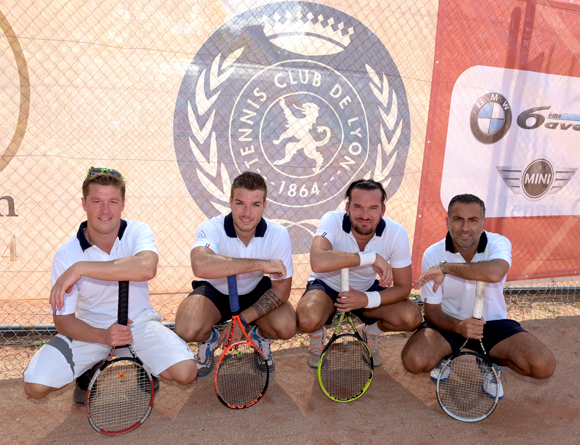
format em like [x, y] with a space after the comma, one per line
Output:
[362, 239]
[245, 244]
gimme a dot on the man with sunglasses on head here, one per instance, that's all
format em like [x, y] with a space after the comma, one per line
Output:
[258, 252]
[84, 298]
[362, 239]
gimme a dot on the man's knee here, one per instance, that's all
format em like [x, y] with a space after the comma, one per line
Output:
[411, 318]
[189, 332]
[183, 372]
[286, 331]
[37, 391]
[544, 368]
[308, 321]
[412, 360]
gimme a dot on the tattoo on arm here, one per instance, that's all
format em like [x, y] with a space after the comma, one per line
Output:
[267, 303]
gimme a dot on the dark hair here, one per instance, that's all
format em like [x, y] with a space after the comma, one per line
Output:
[249, 181]
[365, 184]
[104, 179]
[466, 199]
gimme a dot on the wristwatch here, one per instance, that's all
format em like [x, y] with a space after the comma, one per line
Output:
[442, 264]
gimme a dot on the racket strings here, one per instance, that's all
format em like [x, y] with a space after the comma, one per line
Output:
[239, 381]
[120, 397]
[462, 393]
[346, 368]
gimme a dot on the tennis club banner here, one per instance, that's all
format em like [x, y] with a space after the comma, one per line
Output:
[181, 96]
[504, 124]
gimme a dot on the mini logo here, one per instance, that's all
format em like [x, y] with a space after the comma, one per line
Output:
[537, 179]
[491, 117]
[16, 109]
[301, 93]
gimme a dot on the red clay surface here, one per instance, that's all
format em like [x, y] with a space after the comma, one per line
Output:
[398, 407]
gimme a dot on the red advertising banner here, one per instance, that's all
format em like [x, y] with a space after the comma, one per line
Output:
[504, 124]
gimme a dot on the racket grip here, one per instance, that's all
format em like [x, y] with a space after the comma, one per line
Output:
[233, 293]
[123, 309]
[479, 297]
[344, 280]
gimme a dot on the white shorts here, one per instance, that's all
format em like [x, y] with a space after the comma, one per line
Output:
[63, 359]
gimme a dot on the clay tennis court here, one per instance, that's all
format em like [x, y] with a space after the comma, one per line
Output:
[398, 407]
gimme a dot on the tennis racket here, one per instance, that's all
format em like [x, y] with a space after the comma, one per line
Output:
[239, 383]
[120, 395]
[345, 368]
[467, 380]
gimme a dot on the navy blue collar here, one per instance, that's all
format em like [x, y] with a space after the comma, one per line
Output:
[83, 240]
[480, 247]
[231, 232]
[346, 225]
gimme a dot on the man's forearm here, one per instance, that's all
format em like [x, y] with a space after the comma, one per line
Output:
[267, 303]
[219, 266]
[490, 271]
[133, 268]
[77, 329]
[394, 294]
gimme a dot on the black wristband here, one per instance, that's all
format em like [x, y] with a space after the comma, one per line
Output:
[244, 322]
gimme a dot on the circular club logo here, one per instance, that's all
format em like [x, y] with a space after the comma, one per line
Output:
[301, 93]
[537, 178]
[15, 94]
[491, 117]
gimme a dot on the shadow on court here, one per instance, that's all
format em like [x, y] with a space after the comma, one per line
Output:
[398, 408]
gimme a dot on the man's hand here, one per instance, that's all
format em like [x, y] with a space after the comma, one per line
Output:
[63, 285]
[351, 300]
[384, 270]
[435, 274]
[238, 334]
[118, 335]
[274, 268]
[471, 328]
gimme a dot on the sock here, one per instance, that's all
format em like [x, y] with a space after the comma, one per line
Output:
[374, 329]
[317, 333]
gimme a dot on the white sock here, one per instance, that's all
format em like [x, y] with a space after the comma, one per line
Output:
[317, 333]
[374, 329]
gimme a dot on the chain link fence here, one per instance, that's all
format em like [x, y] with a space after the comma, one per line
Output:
[181, 96]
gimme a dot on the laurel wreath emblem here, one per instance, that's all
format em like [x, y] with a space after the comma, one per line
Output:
[209, 167]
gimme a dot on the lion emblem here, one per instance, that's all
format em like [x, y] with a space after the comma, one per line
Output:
[299, 128]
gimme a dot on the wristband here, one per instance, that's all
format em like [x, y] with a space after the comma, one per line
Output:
[374, 299]
[367, 258]
[244, 322]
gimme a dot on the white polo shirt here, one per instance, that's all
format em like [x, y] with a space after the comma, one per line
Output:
[96, 301]
[457, 295]
[390, 241]
[270, 242]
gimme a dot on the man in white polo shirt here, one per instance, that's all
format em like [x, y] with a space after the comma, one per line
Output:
[466, 255]
[245, 244]
[362, 239]
[84, 298]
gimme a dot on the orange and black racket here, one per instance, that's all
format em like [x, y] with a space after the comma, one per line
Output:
[241, 374]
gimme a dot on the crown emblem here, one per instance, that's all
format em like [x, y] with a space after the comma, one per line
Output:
[308, 34]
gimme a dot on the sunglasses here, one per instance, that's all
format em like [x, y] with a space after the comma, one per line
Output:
[96, 170]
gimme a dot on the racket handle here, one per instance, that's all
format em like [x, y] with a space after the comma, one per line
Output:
[233, 292]
[479, 296]
[123, 308]
[344, 281]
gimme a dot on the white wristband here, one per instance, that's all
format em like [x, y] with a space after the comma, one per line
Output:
[374, 299]
[367, 258]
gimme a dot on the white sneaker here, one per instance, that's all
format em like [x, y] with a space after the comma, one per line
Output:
[489, 385]
[264, 345]
[437, 370]
[317, 340]
[372, 341]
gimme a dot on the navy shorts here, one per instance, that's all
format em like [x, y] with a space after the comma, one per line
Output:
[494, 332]
[321, 285]
[222, 301]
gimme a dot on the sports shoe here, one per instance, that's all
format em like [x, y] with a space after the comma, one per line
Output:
[317, 340]
[155, 382]
[204, 359]
[264, 345]
[372, 341]
[82, 384]
[437, 370]
[489, 386]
